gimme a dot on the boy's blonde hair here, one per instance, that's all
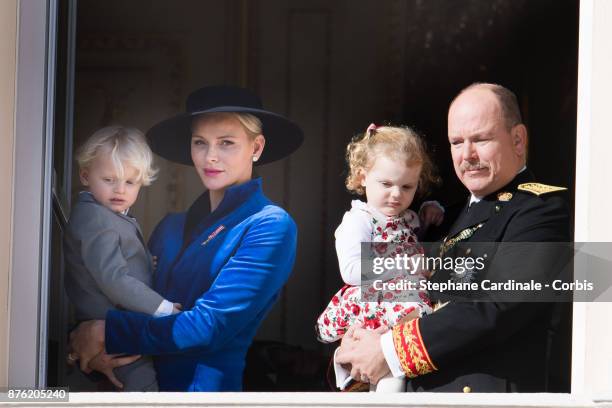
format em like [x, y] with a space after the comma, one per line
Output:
[400, 143]
[124, 145]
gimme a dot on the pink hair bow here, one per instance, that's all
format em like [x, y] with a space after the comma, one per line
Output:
[371, 129]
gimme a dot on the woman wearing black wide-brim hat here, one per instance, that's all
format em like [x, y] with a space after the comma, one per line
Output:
[225, 259]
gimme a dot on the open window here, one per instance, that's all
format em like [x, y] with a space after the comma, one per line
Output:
[334, 67]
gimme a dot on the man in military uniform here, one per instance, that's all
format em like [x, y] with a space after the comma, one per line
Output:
[492, 346]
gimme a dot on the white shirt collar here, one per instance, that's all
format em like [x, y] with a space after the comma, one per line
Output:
[475, 199]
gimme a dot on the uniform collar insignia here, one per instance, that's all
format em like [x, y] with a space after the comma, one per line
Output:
[504, 196]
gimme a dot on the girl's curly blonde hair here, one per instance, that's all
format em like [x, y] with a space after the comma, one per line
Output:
[398, 142]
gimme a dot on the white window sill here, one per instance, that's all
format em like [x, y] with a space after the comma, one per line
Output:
[337, 399]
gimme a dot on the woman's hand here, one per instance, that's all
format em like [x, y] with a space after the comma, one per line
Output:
[86, 342]
[105, 363]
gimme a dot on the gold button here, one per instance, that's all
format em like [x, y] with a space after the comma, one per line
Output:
[467, 389]
[497, 208]
[468, 251]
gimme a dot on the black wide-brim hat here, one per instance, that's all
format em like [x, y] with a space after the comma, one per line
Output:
[171, 138]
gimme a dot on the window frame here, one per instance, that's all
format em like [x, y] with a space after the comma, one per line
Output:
[29, 282]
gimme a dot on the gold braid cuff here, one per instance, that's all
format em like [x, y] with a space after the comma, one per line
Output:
[411, 351]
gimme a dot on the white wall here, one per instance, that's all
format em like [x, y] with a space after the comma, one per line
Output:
[592, 348]
[8, 44]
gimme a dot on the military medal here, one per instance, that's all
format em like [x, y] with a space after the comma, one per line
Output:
[466, 276]
[462, 236]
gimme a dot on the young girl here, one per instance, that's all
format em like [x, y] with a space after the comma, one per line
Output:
[108, 265]
[389, 165]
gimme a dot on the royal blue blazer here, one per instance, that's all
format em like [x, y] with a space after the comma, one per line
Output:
[226, 268]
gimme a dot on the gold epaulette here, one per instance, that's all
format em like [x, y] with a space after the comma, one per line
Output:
[539, 189]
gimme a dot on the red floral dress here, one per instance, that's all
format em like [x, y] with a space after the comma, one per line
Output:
[363, 303]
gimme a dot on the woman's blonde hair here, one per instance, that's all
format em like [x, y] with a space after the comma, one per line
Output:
[125, 146]
[252, 124]
[401, 143]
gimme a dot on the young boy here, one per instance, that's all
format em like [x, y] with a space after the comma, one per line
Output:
[108, 265]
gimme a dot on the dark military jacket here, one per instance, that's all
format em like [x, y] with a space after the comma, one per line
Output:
[495, 345]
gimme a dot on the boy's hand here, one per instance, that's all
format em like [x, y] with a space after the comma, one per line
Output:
[177, 308]
[431, 214]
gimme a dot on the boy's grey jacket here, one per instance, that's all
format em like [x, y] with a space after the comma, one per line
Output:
[107, 263]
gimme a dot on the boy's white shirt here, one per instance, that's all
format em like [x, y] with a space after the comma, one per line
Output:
[165, 309]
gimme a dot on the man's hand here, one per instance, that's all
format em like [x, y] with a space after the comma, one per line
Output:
[86, 342]
[430, 214]
[361, 349]
[105, 363]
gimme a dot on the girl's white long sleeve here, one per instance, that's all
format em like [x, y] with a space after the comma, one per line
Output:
[354, 229]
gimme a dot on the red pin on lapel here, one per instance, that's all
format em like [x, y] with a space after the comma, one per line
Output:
[214, 234]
